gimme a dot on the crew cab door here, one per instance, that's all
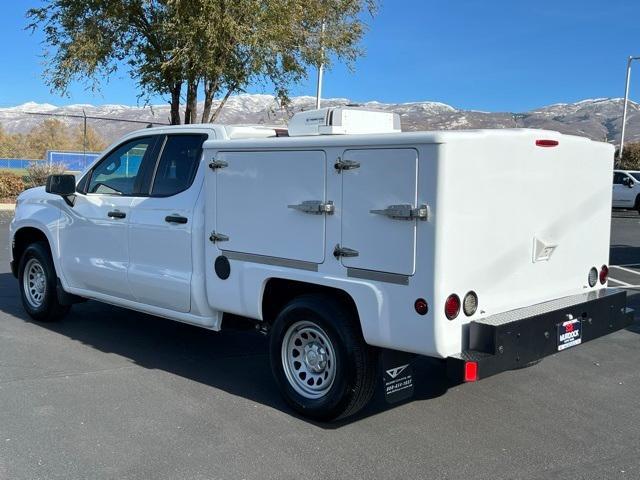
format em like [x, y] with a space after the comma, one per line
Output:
[379, 211]
[161, 226]
[94, 239]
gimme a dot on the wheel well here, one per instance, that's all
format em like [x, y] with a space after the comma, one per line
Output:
[25, 237]
[278, 292]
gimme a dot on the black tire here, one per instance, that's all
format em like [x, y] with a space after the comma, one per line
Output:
[49, 308]
[355, 361]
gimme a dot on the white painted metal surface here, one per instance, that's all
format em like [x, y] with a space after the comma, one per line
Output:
[160, 252]
[499, 197]
[253, 195]
[385, 177]
[94, 247]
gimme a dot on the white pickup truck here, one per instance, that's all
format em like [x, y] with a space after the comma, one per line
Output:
[626, 189]
[346, 241]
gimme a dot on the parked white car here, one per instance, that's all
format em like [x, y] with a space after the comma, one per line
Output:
[626, 189]
[347, 242]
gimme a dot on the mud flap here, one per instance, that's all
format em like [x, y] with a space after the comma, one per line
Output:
[65, 298]
[397, 375]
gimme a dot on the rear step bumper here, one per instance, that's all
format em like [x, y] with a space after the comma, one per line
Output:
[512, 340]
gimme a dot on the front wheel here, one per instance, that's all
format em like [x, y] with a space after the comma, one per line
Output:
[319, 359]
[37, 279]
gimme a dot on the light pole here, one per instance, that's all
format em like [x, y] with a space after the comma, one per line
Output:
[320, 68]
[626, 101]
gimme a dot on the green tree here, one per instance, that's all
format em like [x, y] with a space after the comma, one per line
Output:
[216, 47]
[630, 157]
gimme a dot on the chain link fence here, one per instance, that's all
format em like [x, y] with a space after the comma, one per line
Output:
[73, 140]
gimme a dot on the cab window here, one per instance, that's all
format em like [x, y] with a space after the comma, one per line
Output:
[178, 164]
[618, 178]
[117, 173]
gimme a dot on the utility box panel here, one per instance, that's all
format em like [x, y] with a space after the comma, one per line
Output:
[379, 210]
[265, 203]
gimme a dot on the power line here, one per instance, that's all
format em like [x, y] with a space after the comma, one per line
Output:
[90, 117]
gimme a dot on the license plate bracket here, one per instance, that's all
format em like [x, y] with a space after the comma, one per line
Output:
[569, 334]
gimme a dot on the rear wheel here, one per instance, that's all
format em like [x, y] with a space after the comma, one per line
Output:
[37, 280]
[320, 361]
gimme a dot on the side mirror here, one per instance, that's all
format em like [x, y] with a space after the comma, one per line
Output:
[627, 181]
[63, 185]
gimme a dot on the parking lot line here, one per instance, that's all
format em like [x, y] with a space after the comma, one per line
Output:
[629, 270]
[625, 284]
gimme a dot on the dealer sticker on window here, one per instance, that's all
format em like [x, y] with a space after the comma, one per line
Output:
[569, 334]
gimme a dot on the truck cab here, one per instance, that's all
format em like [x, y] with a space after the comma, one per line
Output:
[350, 243]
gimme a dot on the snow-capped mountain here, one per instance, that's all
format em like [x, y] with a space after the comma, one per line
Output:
[599, 119]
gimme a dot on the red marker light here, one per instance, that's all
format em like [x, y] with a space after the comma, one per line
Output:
[547, 143]
[470, 371]
[604, 274]
[421, 306]
[452, 306]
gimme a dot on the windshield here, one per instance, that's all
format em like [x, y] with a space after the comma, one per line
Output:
[635, 175]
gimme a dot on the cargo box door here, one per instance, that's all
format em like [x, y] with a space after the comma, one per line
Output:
[379, 210]
[265, 200]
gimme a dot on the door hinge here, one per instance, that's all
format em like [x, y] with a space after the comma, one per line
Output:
[218, 237]
[404, 212]
[344, 252]
[215, 164]
[341, 165]
[315, 207]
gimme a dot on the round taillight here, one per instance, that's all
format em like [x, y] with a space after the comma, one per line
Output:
[470, 303]
[452, 306]
[604, 274]
[593, 277]
[421, 306]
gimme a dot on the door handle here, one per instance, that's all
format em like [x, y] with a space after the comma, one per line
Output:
[404, 212]
[175, 219]
[116, 214]
[315, 207]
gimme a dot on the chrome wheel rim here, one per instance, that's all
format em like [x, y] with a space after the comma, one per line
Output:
[308, 359]
[34, 282]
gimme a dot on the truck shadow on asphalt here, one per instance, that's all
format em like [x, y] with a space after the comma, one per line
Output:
[235, 361]
[624, 255]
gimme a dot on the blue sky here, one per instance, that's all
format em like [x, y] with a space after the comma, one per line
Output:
[494, 55]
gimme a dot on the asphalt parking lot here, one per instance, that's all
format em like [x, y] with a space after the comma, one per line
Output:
[112, 394]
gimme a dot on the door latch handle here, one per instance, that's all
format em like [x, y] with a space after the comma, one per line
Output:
[218, 237]
[116, 214]
[216, 164]
[175, 219]
[315, 207]
[342, 165]
[404, 212]
[344, 252]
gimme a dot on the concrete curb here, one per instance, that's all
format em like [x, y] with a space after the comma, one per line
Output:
[7, 206]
